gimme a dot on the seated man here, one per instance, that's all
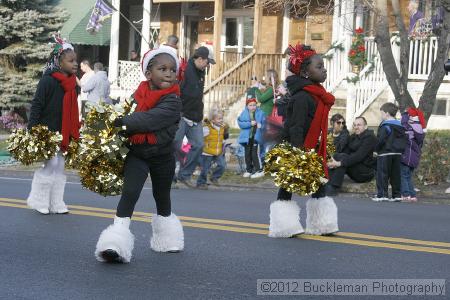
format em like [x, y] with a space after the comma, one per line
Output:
[357, 159]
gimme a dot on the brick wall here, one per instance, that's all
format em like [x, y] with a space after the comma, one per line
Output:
[271, 33]
[302, 31]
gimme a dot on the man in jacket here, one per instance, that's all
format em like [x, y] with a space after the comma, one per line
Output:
[357, 159]
[192, 112]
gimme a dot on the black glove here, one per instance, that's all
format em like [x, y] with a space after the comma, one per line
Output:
[118, 122]
[123, 133]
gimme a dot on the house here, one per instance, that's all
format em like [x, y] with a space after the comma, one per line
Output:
[247, 40]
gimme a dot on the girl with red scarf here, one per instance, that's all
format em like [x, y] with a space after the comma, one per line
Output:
[151, 129]
[55, 106]
[305, 127]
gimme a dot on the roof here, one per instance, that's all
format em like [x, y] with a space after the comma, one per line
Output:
[74, 29]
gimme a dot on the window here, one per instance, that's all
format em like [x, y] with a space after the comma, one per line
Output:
[248, 31]
[440, 107]
[231, 33]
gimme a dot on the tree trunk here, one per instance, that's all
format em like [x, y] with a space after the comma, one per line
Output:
[428, 98]
[397, 81]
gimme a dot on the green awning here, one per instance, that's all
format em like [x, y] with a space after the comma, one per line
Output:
[74, 29]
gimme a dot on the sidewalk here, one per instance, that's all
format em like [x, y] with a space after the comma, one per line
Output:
[231, 181]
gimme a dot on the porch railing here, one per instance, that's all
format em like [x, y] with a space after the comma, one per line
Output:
[231, 85]
[337, 65]
[129, 75]
[421, 57]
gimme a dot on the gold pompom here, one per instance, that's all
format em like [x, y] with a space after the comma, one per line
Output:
[38, 144]
[102, 150]
[331, 149]
[294, 169]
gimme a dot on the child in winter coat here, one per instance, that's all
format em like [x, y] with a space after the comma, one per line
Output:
[414, 122]
[251, 122]
[151, 129]
[391, 144]
[55, 105]
[214, 132]
[305, 127]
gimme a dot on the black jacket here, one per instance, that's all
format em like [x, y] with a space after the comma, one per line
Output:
[360, 149]
[300, 111]
[192, 92]
[340, 141]
[47, 104]
[162, 120]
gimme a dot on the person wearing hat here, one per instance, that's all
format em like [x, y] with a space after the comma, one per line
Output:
[150, 130]
[192, 112]
[251, 122]
[414, 122]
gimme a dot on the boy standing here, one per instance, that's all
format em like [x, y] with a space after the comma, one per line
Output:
[391, 144]
[214, 132]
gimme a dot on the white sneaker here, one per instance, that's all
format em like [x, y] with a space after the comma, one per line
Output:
[377, 199]
[395, 199]
[246, 175]
[257, 175]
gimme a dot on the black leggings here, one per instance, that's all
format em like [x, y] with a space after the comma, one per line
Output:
[161, 168]
[287, 196]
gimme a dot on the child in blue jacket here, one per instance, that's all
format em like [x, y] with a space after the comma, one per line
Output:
[251, 122]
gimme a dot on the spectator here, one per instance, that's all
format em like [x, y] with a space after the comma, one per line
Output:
[85, 67]
[98, 86]
[265, 94]
[192, 113]
[391, 144]
[415, 15]
[172, 41]
[251, 122]
[134, 56]
[214, 132]
[356, 160]
[414, 123]
[339, 132]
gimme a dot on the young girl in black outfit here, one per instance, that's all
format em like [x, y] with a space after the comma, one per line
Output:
[55, 106]
[305, 126]
[151, 130]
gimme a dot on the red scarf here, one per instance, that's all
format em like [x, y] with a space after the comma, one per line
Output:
[70, 117]
[319, 124]
[146, 99]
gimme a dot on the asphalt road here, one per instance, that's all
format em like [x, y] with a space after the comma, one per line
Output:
[226, 246]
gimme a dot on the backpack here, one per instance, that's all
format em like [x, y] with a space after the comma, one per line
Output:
[398, 138]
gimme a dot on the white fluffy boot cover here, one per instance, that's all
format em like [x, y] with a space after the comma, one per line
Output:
[39, 197]
[117, 237]
[167, 235]
[284, 219]
[57, 205]
[321, 216]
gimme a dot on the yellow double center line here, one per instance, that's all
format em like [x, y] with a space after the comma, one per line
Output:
[257, 228]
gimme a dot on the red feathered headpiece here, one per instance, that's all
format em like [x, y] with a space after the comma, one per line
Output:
[297, 55]
[415, 112]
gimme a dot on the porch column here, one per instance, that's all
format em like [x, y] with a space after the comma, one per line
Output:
[218, 15]
[257, 24]
[359, 16]
[336, 20]
[146, 12]
[285, 39]
[114, 44]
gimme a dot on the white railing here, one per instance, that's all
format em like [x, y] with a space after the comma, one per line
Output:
[371, 81]
[337, 65]
[422, 55]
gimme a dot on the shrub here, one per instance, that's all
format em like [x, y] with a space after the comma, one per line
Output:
[435, 161]
[10, 121]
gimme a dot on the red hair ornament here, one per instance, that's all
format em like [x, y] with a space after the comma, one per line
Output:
[297, 55]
